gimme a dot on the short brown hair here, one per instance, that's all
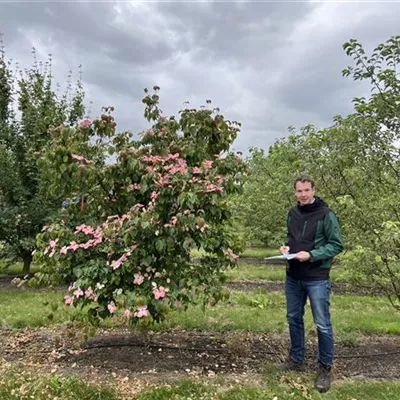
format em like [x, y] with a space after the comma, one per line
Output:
[303, 179]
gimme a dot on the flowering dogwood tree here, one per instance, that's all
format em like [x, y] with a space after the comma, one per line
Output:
[128, 225]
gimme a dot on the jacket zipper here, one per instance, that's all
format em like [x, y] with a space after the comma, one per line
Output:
[304, 228]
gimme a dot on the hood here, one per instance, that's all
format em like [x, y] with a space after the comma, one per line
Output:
[318, 203]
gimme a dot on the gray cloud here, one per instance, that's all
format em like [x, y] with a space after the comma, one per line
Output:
[267, 65]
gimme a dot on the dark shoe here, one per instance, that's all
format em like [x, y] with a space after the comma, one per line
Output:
[290, 365]
[324, 378]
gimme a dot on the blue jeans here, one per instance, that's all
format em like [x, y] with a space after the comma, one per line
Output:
[318, 292]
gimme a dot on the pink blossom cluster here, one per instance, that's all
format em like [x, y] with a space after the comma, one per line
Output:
[87, 230]
[134, 186]
[207, 164]
[196, 170]
[230, 253]
[212, 187]
[148, 132]
[78, 292]
[85, 123]
[208, 186]
[163, 180]
[177, 164]
[52, 247]
[154, 195]
[160, 292]
[117, 263]
[202, 228]
[82, 159]
[173, 221]
[116, 221]
[138, 278]
[141, 311]
[112, 307]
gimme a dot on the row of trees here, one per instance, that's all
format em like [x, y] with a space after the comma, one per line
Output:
[356, 164]
[29, 107]
[117, 217]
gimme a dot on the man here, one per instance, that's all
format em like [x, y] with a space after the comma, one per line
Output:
[313, 235]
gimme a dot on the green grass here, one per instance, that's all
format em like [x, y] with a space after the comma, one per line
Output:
[259, 252]
[248, 271]
[251, 272]
[258, 311]
[18, 384]
[273, 388]
[27, 308]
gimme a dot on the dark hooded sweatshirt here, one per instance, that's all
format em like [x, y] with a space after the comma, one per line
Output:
[313, 228]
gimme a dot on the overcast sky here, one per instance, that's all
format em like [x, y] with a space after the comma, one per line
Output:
[268, 65]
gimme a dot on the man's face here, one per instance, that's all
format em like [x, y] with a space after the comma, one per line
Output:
[304, 192]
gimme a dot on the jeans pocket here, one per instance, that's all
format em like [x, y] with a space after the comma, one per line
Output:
[328, 286]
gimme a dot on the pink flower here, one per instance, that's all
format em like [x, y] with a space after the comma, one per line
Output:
[64, 250]
[202, 229]
[141, 311]
[207, 164]
[89, 293]
[139, 278]
[127, 313]
[80, 158]
[71, 287]
[134, 186]
[196, 170]
[78, 293]
[160, 292]
[68, 300]
[86, 122]
[112, 307]
[154, 195]
[77, 157]
[53, 243]
[186, 212]
[117, 263]
[73, 246]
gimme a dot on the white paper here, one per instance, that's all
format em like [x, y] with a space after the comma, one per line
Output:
[287, 256]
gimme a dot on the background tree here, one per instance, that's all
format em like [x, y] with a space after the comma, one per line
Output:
[28, 107]
[356, 164]
[268, 192]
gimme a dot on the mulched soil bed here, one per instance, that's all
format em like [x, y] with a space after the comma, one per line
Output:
[187, 352]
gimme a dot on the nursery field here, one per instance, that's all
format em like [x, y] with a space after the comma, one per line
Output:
[227, 352]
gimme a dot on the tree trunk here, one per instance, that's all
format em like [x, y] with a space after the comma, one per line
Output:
[27, 258]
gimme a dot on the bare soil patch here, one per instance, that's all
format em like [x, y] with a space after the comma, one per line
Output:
[155, 356]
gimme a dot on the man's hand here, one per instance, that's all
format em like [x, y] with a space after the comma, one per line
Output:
[284, 249]
[303, 256]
